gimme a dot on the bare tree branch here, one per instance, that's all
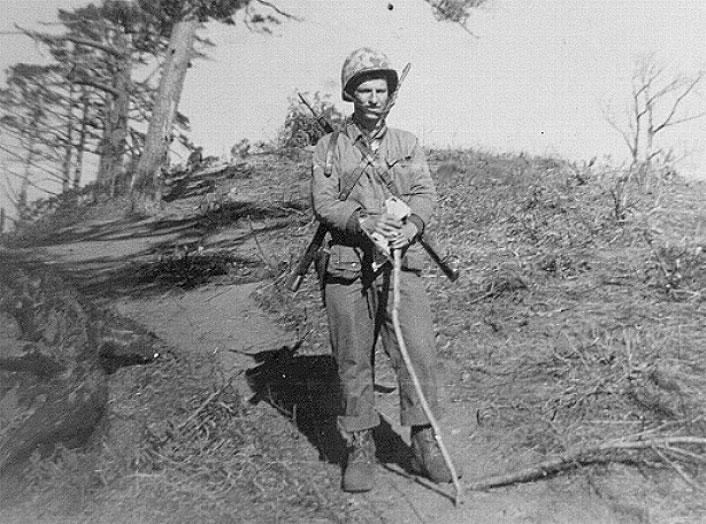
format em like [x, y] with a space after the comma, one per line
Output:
[279, 11]
[21, 177]
[650, 91]
[12, 153]
[78, 41]
[615, 126]
[98, 85]
[678, 101]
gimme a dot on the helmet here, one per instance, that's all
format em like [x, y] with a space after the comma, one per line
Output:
[363, 64]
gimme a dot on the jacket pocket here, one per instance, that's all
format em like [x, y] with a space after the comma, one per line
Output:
[344, 262]
[400, 168]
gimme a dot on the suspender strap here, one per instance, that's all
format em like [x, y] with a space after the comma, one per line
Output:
[349, 183]
[328, 166]
[383, 174]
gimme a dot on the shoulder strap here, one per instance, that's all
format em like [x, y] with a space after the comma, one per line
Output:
[328, 165]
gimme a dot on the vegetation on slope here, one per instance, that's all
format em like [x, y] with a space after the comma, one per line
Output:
[579, 321]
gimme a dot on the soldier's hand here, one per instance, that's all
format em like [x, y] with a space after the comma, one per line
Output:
[384, 224]
[404, 236]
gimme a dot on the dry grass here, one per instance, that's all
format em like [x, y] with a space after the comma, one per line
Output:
[181, 445]
[581, 316]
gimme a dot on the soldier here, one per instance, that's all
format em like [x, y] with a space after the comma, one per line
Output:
[356, 279]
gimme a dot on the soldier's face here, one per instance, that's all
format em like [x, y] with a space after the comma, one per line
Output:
[369, 98]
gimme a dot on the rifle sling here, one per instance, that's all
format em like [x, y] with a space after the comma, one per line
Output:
[369, 159]
[382, 174]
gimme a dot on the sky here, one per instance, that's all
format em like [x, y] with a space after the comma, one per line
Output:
[534, 77]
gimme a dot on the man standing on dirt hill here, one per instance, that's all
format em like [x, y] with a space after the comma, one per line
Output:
[355, 171]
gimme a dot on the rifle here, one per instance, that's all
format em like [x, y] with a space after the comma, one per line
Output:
[306, 260]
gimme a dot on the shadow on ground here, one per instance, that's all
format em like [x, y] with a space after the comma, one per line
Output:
[133, 256]
[306, 390]
[135, 226]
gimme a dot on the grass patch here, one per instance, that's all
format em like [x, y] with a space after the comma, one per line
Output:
[180, 444]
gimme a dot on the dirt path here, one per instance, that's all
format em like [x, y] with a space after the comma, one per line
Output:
[225, 323]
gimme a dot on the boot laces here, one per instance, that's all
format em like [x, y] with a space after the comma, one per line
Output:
[362, 446]
[425, 439]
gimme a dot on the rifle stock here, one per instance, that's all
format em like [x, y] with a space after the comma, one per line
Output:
[307, 258]
[451, 273]
[316, 242]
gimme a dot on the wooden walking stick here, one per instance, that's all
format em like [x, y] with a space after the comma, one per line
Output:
[397, 268]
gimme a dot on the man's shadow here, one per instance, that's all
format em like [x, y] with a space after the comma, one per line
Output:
[306, 389]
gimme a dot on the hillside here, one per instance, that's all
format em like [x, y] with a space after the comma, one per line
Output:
[576, 331]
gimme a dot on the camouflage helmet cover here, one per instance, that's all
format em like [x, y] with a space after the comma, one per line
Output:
[363, 64]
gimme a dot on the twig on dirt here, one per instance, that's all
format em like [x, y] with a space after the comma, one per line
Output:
[204, 404]
[199, 409]
[680, 471]
[270, 268]
[409, 502]
[599, 454]
[660, 262]
[216, 295]
[291, 209]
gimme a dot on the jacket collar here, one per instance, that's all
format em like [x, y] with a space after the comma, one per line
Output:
[355, 133]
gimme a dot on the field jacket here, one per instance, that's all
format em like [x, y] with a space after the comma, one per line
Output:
[401, 155]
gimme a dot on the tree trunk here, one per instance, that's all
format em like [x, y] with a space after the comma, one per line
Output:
[122, 107]
[650, 135]
[68, 152]
[115, 132]
[24, 185]
[179, 54]
[103, 176]
[81, 138]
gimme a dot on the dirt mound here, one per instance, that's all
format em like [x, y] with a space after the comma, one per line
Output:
[55, 351]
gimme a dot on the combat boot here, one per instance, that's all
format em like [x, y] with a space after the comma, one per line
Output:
[360, 467]
[427, 459]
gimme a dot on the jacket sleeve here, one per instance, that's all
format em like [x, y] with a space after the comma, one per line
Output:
[421, 197]
[328, 209]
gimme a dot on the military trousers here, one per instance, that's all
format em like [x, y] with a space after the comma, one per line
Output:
[359, 312]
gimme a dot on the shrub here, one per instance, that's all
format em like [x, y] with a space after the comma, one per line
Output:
[300, 127]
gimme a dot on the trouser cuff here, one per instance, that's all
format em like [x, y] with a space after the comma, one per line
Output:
[415, 417]
[350, 424]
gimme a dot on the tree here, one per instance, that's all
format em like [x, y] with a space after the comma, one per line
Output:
[658, 102]
[120, 36]
[34, 141]
[457, 11]
[182, 18]
[99, 105]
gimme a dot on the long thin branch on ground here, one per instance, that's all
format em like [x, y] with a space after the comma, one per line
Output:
[600, 454]
[267, 263]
